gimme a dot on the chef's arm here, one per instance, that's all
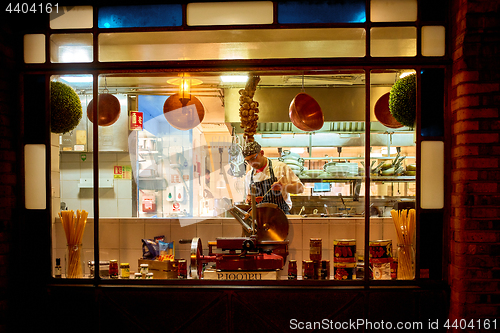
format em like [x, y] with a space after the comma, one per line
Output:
[294, 188]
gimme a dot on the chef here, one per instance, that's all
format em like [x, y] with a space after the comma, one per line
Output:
[274, 180]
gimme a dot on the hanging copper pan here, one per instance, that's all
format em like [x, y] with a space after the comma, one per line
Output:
[108, 108]
[383, 114]
[183, 116]
[305, 113]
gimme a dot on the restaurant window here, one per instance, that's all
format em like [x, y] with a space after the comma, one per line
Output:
[155, 176]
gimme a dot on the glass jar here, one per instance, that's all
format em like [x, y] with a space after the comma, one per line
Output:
[125, 270]
[113, 269]
[292, 269]
[406, 262]
[74, 261]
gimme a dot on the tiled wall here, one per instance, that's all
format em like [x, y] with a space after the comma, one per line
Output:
[113, 202]
[121, 238]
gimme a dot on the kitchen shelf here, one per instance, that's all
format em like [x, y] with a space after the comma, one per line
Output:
[395, 179]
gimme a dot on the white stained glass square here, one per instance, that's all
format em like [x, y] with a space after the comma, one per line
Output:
[71, 17]
[394, 42]
[393, 10]
[433, 41]
[229, 13]
[34, 48]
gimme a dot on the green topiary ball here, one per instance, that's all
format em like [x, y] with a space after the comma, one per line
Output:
[403, 99]
[65, 108]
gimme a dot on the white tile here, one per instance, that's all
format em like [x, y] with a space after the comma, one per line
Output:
[231, 229]
[123, 188]
[123, 158]
[73, 204]
[109, 254]
[88, 235]
[70, 171]
[124, 207]
[107, 157]
[313, 230]
[70, 189]
[208, 232]
[86, 170]
[108, 208]
[131, 234]
[178, 232]
[87, 205]
[109, 234]
[131, 256]
[153, 229]
[295, 236]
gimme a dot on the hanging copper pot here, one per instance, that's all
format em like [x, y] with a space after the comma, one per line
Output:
[305, 113]
[108, 109]
[383, 114]
[183, 115]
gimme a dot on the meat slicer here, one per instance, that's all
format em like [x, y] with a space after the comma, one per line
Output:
[262, 247]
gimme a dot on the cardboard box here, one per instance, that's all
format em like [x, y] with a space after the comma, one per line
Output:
[161, 269]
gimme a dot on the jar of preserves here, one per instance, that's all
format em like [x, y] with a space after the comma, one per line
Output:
[144, 270]
[292, 269]
[113, 269]
[308, 270]
[125, 270]
[137, 276]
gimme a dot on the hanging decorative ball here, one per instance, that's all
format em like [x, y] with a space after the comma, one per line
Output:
[181, 114]
[108, 109]
[65, 108]
[403, 100]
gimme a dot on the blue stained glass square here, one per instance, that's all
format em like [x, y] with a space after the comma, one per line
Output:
[333, 11]
[140, 16]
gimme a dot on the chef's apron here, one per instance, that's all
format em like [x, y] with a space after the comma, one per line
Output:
[271, 196]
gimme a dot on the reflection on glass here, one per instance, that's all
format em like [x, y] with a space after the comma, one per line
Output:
[232, 44]
[393, 10]
[229, 13]
[69, 48]
[138, 16]
[321, 12]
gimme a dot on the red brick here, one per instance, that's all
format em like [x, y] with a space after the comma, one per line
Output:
[464, 76]
[465, 126]
[458, 151]
[464, 102]
[476, 236]
[468, 138]
[476, 88]
[463, 175]
[476, 113]
[476, 162]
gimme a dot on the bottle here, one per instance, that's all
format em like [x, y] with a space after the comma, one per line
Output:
[58, 269]
[113, 269]
[292, 269]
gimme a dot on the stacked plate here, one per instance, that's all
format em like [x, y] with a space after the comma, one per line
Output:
[342, 169]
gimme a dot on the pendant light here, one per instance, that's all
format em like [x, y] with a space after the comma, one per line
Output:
[108, 108]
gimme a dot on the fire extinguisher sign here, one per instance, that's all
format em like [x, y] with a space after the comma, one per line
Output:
[136, 121]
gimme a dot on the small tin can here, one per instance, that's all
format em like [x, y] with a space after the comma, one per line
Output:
[149, 276]
[308, 270]
[344, 271]
[182, 269]
[137, 276]
[380, 249]
[144, 270]
[380, 259]
[315, 248]
[292, 269]
[113, 269]
[325, 270]
[344, 250]
[125, 270]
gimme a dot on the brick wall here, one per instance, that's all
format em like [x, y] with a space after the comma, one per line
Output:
[8, 158]
[475, 213]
